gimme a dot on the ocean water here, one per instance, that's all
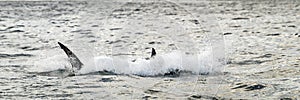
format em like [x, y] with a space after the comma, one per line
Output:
[113, 39]
[206, 49]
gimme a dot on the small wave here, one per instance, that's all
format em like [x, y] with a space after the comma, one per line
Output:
[12, 27]
[29, 48]
[14, 55]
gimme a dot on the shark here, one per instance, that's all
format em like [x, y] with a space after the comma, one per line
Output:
[77, 64]
[165, 65]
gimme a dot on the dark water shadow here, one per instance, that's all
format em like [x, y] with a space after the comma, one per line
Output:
[172, 73]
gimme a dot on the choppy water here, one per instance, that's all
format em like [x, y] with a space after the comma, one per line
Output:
[106, 35]
[117, 36]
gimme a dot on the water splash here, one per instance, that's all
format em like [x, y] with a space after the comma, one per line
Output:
[157, 65]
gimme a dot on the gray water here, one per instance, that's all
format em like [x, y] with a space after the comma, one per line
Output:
[259, 40]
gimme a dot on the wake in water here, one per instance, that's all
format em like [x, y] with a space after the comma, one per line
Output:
[172, 64]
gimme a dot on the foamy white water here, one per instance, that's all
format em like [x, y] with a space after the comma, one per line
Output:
[158, 65]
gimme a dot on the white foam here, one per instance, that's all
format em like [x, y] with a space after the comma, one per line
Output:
[50, 63]
[160, 64]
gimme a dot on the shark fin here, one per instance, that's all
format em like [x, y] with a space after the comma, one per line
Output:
[75, 62]
[153, 52]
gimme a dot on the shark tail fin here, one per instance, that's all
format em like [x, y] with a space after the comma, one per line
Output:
[75, 62]
[153, 52]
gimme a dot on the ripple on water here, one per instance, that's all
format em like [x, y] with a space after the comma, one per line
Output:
[10, 65]
[28, 48]
[2, 55]
[16, 31]
[77, 87]
[50, 95]
[12, 27]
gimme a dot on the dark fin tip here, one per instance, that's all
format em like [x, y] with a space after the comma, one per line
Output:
[153, 52]
[61, 45]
